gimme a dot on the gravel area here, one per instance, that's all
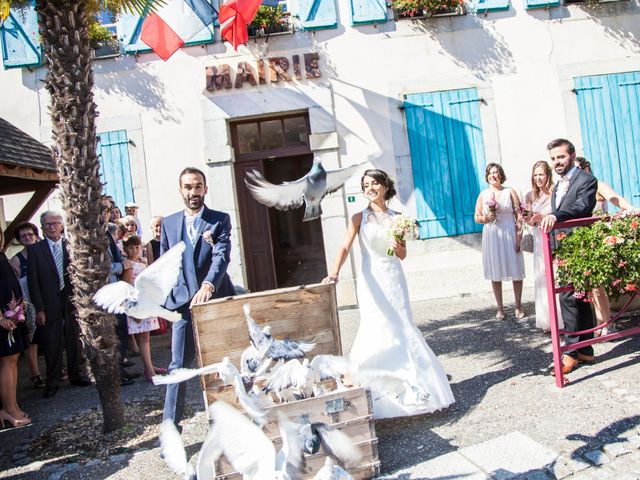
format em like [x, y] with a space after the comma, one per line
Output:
[498, 376]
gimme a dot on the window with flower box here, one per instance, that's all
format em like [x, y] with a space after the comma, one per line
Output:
[403, 9]
[272, 18]
[104, 36]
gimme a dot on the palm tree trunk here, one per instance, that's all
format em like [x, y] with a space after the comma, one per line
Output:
[73, 113]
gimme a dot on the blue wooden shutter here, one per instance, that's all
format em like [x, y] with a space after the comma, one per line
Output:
[609, 111]
[368, 11]
[316, 14]
[483, 6]
[465, 149]
[598, 128]
[115, 168]
[20, 38]
[448, 159]
[625, 99]
[541, 3]
[432, 182]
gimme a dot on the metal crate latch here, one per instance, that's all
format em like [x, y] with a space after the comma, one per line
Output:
[336, 405]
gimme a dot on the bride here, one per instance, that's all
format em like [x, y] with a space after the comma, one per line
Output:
[387, 338]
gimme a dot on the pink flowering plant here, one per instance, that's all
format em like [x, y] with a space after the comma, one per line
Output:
[402, 227]
[605, 254]
[15, 313]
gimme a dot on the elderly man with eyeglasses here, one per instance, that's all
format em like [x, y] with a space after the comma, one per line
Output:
[51, 291]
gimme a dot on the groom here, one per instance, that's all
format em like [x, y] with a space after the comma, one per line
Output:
[203, 275]
[573, 197]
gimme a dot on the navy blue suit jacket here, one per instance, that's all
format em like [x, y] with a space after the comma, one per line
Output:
[202, 262]
[580, 199]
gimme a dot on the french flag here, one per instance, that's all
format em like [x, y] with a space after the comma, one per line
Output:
[173, 24]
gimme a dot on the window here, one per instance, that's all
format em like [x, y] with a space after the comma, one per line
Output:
[254, 136]
[104, 36]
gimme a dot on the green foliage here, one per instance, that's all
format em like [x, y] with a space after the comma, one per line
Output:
[271, 19]
[605, 254]
[99, 34]
[418, 8]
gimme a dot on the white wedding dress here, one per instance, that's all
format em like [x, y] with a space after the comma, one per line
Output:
[387, 338]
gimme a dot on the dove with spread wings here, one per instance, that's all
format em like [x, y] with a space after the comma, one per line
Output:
[145, 298]
[310, 189]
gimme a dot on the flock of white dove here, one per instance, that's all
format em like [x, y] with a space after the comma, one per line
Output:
[275, 364]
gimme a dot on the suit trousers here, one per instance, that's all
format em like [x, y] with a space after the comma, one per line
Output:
[577, 315]
[61, 334]
[182, 354]
[122, 333]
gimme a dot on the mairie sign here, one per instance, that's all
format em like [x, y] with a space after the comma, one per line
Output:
[263, 71]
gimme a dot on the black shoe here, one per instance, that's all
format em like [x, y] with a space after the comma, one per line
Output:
[128, 376]
[80, 382]
[50, 391]
[126, 381]
[37, 382]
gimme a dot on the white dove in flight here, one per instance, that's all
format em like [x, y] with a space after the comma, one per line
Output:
[310, 189]
[145, 298]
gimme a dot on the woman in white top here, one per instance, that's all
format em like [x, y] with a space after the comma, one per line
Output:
[498, 208]
[387, 340]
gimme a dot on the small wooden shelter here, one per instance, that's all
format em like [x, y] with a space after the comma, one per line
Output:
[26, 165]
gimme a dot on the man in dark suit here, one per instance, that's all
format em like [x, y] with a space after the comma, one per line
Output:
[50, 290]
[573, 197]
[207, 236]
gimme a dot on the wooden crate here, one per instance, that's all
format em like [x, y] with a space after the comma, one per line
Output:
[307, 313]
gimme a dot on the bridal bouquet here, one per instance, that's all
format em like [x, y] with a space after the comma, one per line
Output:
[493, 206]
[401, 228]
[15, 313]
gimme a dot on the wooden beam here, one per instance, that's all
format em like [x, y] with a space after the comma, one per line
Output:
[7, 170]
[34, 203]
[12, 186]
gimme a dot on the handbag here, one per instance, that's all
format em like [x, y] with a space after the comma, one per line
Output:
[526, 244]
[163, 327]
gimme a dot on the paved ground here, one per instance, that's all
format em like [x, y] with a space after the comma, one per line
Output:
[509, 419]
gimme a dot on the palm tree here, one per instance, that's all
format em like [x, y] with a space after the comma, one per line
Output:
[67, 53]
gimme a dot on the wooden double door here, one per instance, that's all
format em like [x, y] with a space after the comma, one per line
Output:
[279, 249]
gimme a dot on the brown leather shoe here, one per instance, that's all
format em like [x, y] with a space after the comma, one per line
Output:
[585, 358]
[569, 363]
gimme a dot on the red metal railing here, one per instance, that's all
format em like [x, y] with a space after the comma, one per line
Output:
[559, 349]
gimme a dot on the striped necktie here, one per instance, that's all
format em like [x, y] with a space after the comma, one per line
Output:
[57, 256]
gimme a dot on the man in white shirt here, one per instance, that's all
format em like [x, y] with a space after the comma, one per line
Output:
[574, 197]
[51, 290]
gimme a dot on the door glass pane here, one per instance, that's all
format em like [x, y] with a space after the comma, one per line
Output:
[295, 132]
[248, 138]
[271, 134]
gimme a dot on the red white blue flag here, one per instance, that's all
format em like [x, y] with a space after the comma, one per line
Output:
[173, 24]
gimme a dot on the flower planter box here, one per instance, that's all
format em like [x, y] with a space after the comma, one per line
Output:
[424, 14]
[104, 49]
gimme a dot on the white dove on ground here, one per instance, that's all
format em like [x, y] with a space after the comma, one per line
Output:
[145, 298]
[270, 347]
[331, 471]
[249, 450]
[310, 189]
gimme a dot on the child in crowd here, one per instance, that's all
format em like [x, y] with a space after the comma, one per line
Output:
[131, 225]
[140, 328]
